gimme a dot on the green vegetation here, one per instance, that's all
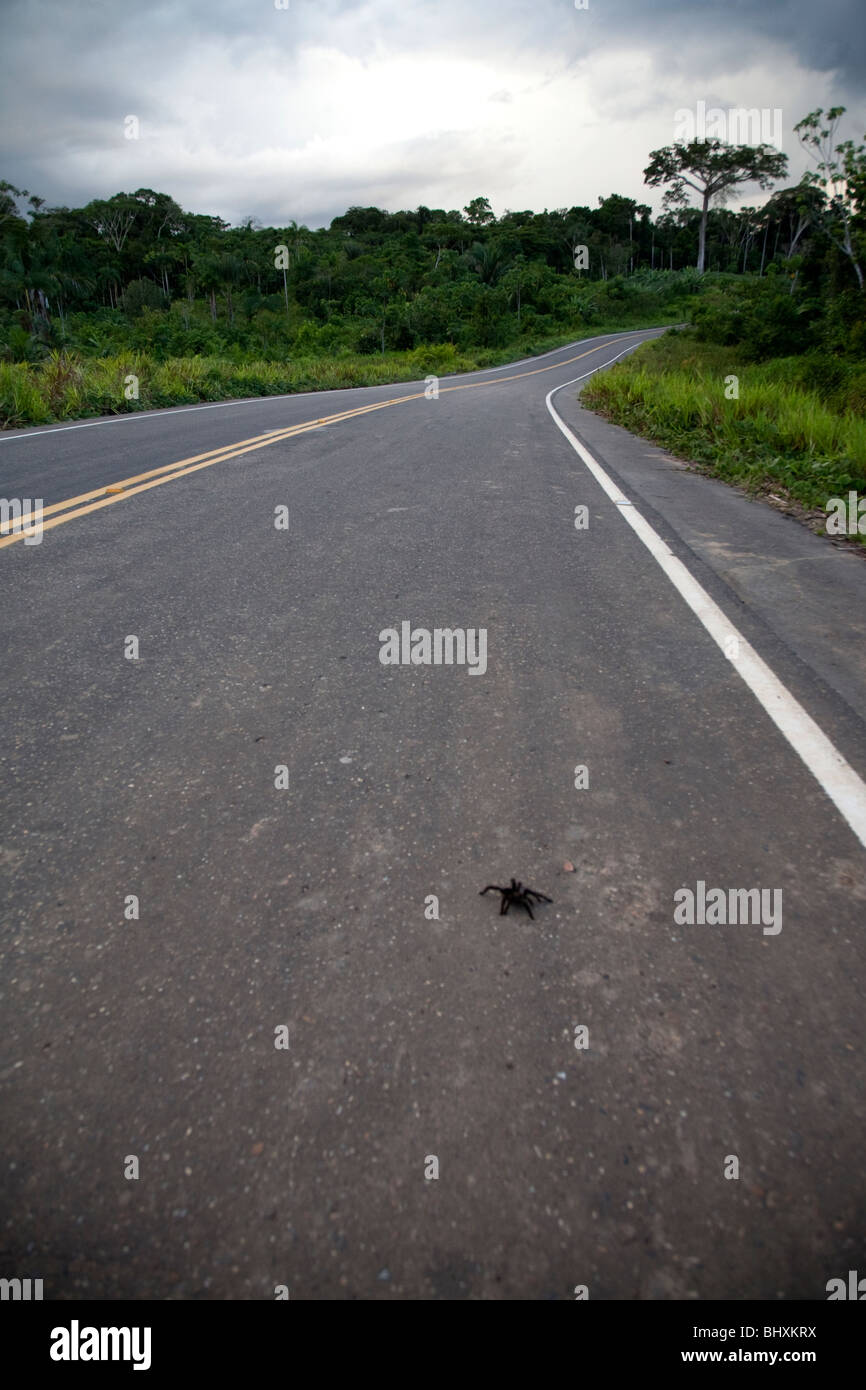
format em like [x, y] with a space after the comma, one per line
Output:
[130, 302]
[66, 383]
[767, 387]
[712, 169]
[797, 428]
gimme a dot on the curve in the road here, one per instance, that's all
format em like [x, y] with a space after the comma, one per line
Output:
[85, 503]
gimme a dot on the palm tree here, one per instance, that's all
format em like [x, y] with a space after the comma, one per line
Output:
[486, 260]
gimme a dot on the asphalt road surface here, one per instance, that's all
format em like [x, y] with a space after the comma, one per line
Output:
[703, 1138]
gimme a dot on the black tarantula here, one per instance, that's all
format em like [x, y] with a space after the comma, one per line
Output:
[516, 894]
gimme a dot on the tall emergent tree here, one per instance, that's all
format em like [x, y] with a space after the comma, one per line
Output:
[841, 176]
[712, 168]
[479, 211]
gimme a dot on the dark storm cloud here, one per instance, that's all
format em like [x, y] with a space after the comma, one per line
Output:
[826, 35]
[234, 95]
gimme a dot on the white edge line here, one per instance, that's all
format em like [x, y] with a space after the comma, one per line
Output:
[833, 773]
[9, 438]
[579, 342]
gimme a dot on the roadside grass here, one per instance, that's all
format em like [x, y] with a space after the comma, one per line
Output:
[795, 429]
[68, 385]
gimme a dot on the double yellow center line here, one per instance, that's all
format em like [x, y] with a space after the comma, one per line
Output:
[87, 502]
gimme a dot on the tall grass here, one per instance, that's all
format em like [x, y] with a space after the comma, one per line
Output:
[67, 385]
[780, 433]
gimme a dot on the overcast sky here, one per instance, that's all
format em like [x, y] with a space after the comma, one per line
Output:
[246, 109]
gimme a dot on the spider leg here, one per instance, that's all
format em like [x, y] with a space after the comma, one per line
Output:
[489, 887]
[506, 903]
[542, 897]
[529, 910]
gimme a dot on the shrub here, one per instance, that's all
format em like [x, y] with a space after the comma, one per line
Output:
[142, 294]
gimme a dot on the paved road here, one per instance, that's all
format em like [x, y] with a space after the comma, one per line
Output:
[411, 1038]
